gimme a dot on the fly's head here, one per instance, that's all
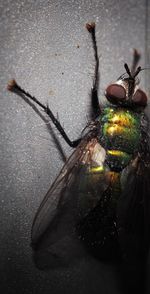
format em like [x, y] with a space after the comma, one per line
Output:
[125, 91]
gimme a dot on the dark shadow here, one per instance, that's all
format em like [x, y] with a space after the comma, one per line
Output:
[132, 277]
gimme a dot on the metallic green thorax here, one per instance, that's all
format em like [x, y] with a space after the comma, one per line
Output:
[120, 135]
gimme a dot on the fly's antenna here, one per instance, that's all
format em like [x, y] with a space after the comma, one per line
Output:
[137, 71]
[127, 70]
[134, 69]
[132, 73]
[132, 76]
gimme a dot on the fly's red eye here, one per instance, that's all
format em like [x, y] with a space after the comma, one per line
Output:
[140, 98]
[115, 93]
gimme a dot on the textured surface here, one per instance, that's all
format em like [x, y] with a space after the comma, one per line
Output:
[45, 47]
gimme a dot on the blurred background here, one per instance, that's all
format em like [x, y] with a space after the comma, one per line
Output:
[46, 48]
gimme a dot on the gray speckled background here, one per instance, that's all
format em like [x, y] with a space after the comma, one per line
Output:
[39, 42]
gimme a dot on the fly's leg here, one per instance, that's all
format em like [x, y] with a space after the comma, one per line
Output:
[136, 58]
[14, 87]
[94, 92]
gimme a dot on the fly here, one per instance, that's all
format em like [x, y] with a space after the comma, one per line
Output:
[100, 202]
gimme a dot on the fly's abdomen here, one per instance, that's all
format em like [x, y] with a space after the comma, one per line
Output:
[120, 136]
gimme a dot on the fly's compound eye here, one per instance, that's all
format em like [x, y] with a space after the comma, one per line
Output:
[115, 93]
[140, 98]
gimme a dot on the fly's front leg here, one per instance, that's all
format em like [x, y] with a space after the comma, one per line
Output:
[14, 87]
[94, 92]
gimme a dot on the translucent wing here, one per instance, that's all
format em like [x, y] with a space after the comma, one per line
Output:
[75, 192]
[134, 226]
[134, 211]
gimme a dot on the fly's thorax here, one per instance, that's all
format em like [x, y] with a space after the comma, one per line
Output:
[120, 135]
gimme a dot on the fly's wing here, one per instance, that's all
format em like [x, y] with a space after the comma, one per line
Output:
[134, 210]
[73, 195]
